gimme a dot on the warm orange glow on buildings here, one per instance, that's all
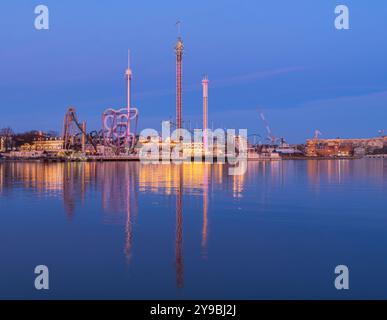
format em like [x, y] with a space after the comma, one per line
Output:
[49, 145]
[342, 147]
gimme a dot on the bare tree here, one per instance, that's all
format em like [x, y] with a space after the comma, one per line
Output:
[52, 134]
[7, 134]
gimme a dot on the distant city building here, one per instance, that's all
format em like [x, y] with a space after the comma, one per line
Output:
[344, 147]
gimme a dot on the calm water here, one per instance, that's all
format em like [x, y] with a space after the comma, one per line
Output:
[132, 231]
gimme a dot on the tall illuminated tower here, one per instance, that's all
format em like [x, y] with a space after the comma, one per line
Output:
[205, 109]
[205, 102]
[128, 74]
[179, 59]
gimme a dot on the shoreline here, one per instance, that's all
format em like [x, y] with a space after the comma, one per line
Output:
[136, 159]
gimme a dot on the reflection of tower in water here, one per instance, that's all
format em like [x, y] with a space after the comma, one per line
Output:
[119, 196]
[169, 180]
[179, 231]
[2, 178]
[131, 209]
[205, 211]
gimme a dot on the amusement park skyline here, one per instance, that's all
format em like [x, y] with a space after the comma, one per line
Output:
[302, 72]
[193, 158]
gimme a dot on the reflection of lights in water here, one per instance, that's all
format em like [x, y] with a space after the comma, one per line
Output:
[238, 185]
[218, 173]
[205, 211]
[179, 233]
[338, 171]
[46, 178]
[164, 179]
[313, 171]
[118, 184]
[2, 176]
[119, 196]
[76, 179]
[128, 225]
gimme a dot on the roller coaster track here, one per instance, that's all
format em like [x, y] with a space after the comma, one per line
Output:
[69, 132]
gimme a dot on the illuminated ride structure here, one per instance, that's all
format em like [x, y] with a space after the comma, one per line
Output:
[116, 133]
[75, 135]
[116, 123]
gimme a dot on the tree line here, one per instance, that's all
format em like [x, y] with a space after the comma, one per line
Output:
[12, 140]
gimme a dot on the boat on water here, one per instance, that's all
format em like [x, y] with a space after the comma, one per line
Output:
[268, 155]
[286, 149]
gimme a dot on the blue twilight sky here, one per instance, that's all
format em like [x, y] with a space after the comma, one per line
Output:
[285, 57]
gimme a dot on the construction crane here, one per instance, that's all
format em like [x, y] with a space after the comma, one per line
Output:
[270, 137]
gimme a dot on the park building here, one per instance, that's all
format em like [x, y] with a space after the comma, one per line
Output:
[47, 145]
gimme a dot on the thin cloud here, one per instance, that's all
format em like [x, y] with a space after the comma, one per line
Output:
[346, 99]
[225, 82]
[254, 76]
